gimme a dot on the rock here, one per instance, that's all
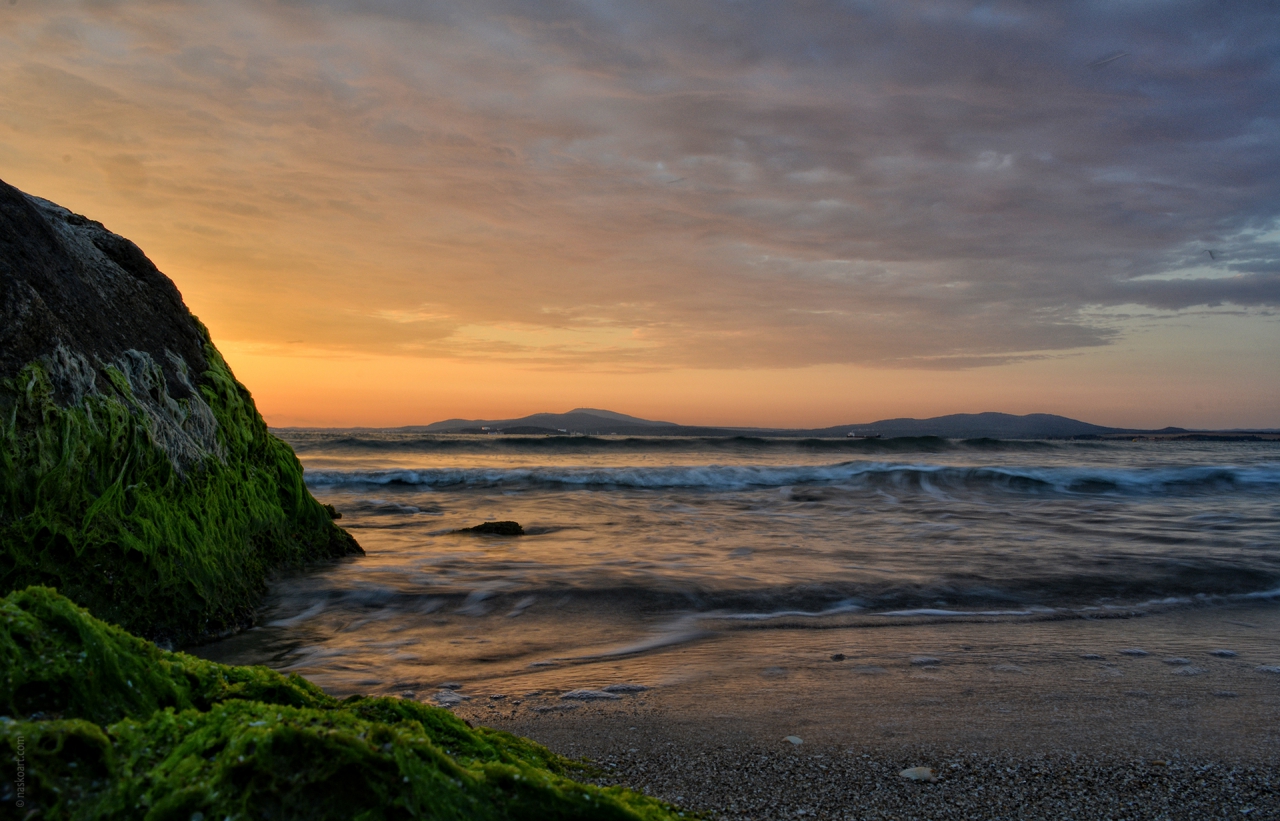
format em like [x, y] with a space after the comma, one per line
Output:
[1268, 668]
[138, 477]
[837, 656]
[589, 695]
[794, 739]
[1176, 661]
[919, 774]
[625, 688]
[1223, 654]
[449, 698]
[925, 661]
[1134, 651]
[247, 737]
[496, 529]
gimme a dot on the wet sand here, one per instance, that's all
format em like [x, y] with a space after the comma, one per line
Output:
[1055, 722]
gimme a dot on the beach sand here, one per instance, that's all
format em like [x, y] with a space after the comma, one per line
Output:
[1054, 722]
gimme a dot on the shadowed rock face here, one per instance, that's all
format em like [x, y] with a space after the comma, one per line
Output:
[136, 475]
[68, 283]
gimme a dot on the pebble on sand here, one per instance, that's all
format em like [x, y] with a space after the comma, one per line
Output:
[919, 774]
[589, 695]
[448, 698]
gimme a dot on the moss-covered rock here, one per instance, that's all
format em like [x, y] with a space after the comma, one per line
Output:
[136, 475]
[111, 726]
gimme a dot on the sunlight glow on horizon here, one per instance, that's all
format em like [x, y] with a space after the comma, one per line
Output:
[392, 215]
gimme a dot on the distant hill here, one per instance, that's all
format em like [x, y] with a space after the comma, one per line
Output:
[578, 420]
[977, 426]
[954, 426]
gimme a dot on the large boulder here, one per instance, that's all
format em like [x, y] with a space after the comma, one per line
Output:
[136, 475]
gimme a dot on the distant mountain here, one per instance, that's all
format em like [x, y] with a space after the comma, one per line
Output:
[578, 420]
[954, 426]
[977, 426]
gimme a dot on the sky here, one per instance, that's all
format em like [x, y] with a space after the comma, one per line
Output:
[723, 212]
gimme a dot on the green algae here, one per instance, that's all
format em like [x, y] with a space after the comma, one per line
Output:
[114, 727]
[92, 503]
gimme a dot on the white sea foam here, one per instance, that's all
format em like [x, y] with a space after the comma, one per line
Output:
[937, 479]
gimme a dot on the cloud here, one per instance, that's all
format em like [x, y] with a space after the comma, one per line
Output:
[931, 184]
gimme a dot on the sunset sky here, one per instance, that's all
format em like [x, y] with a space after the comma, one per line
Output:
[741, 213]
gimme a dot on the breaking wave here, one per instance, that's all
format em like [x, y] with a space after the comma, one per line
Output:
[939, 478]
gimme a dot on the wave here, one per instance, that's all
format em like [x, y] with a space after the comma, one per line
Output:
[1065, 597]
[386, 442]
[929, 478]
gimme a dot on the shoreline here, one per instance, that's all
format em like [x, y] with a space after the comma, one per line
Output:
[1029, 732]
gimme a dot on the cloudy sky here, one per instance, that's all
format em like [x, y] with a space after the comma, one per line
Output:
[708, 211]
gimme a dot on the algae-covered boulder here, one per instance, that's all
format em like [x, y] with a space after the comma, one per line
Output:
[136, 475]
[110, 726]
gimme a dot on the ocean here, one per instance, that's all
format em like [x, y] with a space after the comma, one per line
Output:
[648, 560]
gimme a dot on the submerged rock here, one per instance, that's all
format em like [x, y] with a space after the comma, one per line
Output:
[136, 475]
[112, 727]
[496, 529]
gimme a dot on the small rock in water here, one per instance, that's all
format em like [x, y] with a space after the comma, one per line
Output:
[794, 739]
[496, 529]
[1224, 654]
[451, 685]
[925, 661]
[1177, 661]
[625, 688]
[919, 774]
[497, 696]
[1269, 668]
[1092, 656]
[588, 695]
[408, 694]
[1134, 651]
[837, 656]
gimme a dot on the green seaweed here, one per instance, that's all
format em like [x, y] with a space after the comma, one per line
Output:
[91, 504]
[111, 726]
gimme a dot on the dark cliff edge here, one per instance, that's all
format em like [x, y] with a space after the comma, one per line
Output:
[136, 475]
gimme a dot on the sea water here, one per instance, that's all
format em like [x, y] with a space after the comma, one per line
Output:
[643, 549]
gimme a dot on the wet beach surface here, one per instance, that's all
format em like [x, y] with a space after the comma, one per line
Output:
[1023, 732]
[1173, 715]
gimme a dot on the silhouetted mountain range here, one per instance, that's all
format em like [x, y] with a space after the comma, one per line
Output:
[954, 426]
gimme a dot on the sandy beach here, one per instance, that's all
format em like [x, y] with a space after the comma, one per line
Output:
[1037, 730]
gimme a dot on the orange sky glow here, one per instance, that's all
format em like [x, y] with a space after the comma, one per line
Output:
[389, 216]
